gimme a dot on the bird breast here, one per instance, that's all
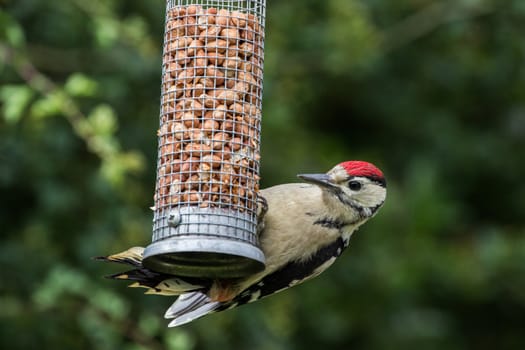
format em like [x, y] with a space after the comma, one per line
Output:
[290, 232]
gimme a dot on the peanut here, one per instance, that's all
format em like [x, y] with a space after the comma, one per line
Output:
[198, 89]
[210, 32]
[192, 10]
[227, 95]
[212, 71]
[246, 49]
[200, 62]
[210, 125]
[232, 63]
[230, 34]
[180, 132]
[219, 45]
[191, 25]
[238, 19]
[204, 21]
[194, 46]
[216, 58]
[223, 17]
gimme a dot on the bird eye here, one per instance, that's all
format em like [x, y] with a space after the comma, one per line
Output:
[354, 185]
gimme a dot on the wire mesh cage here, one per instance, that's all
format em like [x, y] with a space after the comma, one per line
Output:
[205, 214]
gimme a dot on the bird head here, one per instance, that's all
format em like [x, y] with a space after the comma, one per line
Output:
[354, 188]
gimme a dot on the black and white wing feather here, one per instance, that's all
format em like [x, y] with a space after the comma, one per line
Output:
[291, 274]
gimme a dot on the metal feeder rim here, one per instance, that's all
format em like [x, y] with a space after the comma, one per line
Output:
[207, 257]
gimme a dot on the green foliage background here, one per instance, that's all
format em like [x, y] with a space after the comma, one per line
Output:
[433, 92]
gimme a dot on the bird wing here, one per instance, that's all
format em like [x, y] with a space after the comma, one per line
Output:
[190, 306]
[291, 274]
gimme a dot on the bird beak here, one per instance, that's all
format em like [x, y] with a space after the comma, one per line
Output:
[322, 180]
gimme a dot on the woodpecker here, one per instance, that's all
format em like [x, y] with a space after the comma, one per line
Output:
[305, 228]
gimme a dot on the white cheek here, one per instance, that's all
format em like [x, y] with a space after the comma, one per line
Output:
[374, 196]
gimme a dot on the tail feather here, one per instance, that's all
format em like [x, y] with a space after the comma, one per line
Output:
[192, 302]
[154, 282]
[143, 276]
[132, 256]
[190, 306]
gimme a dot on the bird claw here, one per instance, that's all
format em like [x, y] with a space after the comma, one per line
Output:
[262, 208]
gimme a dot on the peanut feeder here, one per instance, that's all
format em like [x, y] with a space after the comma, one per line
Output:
[205, 214]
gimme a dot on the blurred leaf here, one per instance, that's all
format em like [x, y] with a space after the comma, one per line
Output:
[80, 85]
[12, 306]
[49, 105]
[114, 169]
[106, 31]
[135, 28]
[103, 120]
[61, 279]
[178, 340]
[108, 302]
[15, 99]
[150, 324]
[101, 334]
[351, 36]
[10, 31]
[106, 146]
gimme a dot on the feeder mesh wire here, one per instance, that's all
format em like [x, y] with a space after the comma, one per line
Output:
[209, 136]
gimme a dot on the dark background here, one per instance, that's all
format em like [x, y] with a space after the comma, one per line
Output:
[433, 92]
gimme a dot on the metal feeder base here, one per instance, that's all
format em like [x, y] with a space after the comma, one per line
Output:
[196, 256]
[204, 242]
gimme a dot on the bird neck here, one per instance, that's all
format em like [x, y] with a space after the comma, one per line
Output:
[340, 214]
